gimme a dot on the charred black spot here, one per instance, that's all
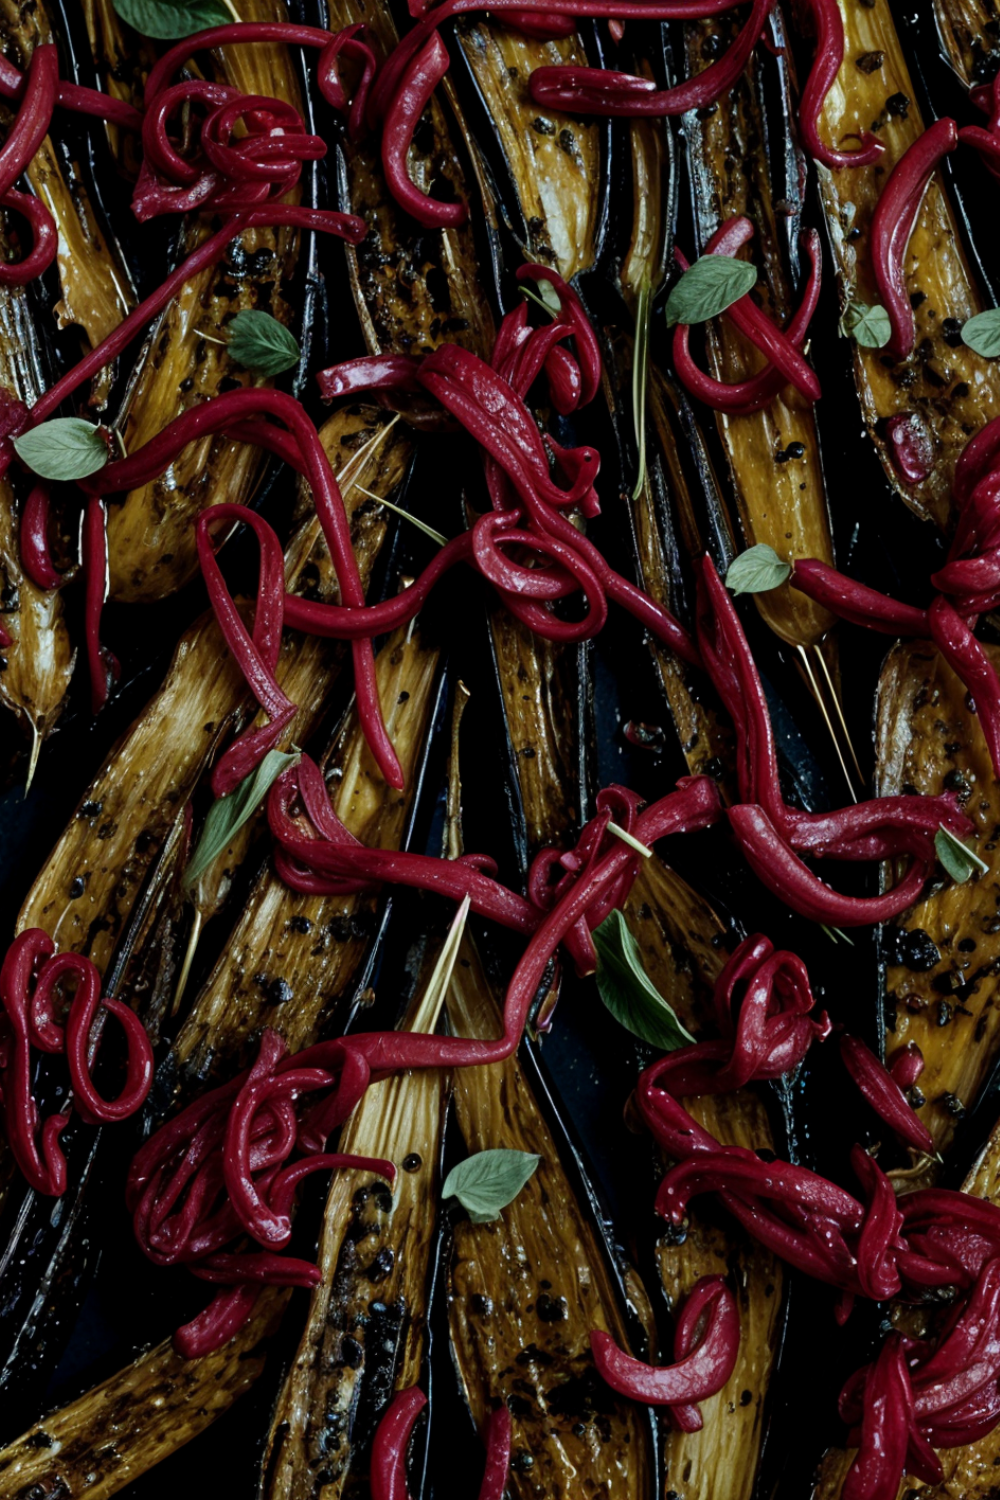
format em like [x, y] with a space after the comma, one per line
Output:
[914, 950]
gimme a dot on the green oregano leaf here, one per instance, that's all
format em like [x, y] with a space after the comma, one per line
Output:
[487, 1182]
[259, 342]
[708, 287]
[960, 862]
[982, 333]
[65, 448]
[228, 814]
[168, 20]
[757, 570]
[868, 325]
[627, 991]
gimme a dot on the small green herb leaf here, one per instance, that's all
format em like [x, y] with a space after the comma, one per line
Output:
[982, 333]
[957, 858]
[867, 325]
[757, 570]
[260, 342]
[65, 448]
[708, 287]
[228, 814]
[167, 20]
[487, 1182]
[626, 990]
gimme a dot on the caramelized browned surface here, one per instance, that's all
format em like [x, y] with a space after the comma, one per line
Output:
[85, 890]
[525, 1291]
[290, 958]
[124, 1427]
[705, 735]
[96, 291]
[683, 950]
[151, 542]
[554, 159]
[123, 60]
[951, 391]
[782, 501]
[39, 663]
[413, 288]
[366, 1335]
[970, 32]
[537, 680]
[928, 740]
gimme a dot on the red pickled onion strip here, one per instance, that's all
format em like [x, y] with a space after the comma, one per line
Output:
[417, 84]
[892, 224]
[598, 91]
[701, 1374]
[828, 59]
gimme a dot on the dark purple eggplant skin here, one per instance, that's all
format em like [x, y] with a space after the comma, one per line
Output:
[52, 1246]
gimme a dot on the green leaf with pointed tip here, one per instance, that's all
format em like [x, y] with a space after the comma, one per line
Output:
[627, 990]
[957, 858]
[487, 1182]
[169, 20]
[708, 287]
[757, 570]
[259, 342]
[228, 814]
[982, 333]
[65, 448]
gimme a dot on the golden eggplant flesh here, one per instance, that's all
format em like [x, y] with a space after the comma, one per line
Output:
[944, 954]
[366, 1334]
[85, 890]
[553, 159]
[525, 1291]
[151, 546]
[683, 947]
[774, 456]
[946, 389]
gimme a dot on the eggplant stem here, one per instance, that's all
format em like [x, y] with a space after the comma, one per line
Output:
[425, 1017]
[435, 536]
[630, 839]
[189, 952]
[817, 692]
[454, 846]
[36, 747]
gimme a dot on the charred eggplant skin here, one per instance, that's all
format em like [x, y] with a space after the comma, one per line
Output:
[51, 1246]
[554, 1250]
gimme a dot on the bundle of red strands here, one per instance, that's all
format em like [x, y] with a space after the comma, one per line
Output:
[33, 982]
[526, 522]
[217, 1170]
[968, 586]
[221, 1173]
[774, 836]
[786, 364]
[245, 149]
[919, 1394]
